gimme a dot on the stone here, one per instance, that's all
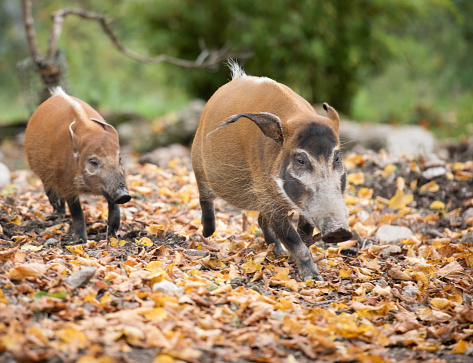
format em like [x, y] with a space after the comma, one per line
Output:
[5, 179]
[387, 233]
[163, 155]
[51, 242]
[467, 214]
[81, 277]
[410, 140]
[410, 291]
[434, 172]
[388, 251]
[193, 253]
[467, 238]
[168, 287]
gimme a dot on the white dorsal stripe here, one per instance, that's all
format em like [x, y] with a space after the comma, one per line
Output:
[58, 91]
[236, 69]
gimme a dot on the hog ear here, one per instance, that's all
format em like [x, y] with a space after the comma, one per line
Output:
[268, 123]
[74, 140]
[106, 126]
[333, 116]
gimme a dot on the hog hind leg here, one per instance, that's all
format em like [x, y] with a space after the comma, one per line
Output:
[270, 237]
[286, 233]
[206, 198]
[78, 221]
[58, 204]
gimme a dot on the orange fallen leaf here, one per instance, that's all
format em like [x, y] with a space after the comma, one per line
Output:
[437, 205]
[400, 200]
[251, 267]
[356, 178]
[77, 250]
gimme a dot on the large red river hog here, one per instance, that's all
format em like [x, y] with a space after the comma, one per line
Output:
[75, 152]
[262, 147]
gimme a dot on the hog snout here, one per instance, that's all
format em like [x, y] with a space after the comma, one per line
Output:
[334, 233]
[121, 196]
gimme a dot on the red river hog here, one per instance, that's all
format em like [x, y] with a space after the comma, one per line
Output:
[75, 152]
[260, 146]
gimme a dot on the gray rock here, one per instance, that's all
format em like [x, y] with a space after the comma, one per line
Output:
[277, 315]
[362, 215]
[467, 238]
[388, 251]
[467, 214]
[168, 287]
[20, 181]
[51, 242]
[367, 243]
[387, 233]
[411, 140]
[410, 291]
[193, 252]
[434, 172]
[467, 298]
[432, 161]
[5, 178]
[163, 155]
[81, 277]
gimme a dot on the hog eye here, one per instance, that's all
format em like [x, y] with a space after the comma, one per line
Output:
[93, 163]
[336, 158]
[300, 162]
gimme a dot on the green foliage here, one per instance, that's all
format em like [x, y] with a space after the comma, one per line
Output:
[322, 49]
[431, 81]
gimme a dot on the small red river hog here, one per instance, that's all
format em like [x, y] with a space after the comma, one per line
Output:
[74, 152]
[279, 157]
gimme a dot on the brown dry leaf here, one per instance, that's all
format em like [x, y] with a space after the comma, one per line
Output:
[397, 274]
[212, 262]
[452, 268]
[27, 270]
[10, 253]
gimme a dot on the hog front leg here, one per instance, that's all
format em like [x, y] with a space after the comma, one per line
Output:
[113, 222]
[286, 233]
[78, 221]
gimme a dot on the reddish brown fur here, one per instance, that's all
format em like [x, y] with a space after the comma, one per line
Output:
[228, 153]
[74, 155]
[49, 147]
[260, 146]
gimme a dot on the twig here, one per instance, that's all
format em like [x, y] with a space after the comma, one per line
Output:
[29, 30]
[206, 59]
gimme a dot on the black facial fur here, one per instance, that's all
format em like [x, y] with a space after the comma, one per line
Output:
[319, 140]
[343, 182]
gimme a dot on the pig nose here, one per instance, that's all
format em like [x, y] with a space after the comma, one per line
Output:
[334, 233]
[122, 196]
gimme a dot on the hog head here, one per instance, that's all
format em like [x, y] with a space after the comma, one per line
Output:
[100, 164]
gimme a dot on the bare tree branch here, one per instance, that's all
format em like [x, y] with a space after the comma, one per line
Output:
[210, 59]
[29, 30]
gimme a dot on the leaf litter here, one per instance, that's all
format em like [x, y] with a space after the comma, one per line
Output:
[161, 292]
